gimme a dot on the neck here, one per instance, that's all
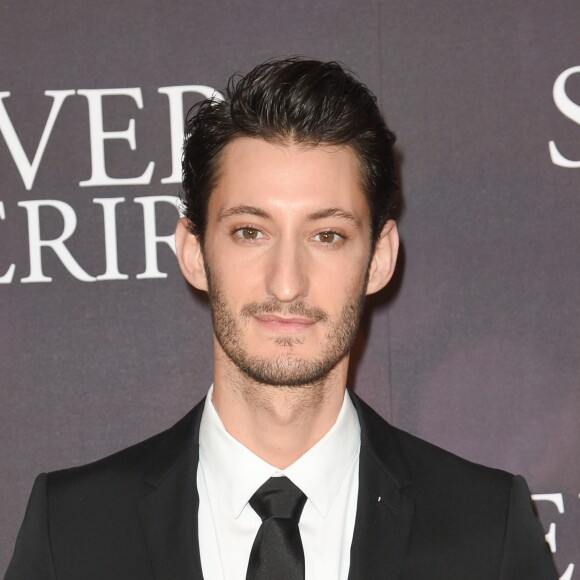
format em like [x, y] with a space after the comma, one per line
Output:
[277, 423]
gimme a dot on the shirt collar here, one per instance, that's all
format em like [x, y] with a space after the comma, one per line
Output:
[319, 473]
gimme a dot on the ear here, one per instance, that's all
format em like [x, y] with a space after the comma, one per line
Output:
[190, 255]
[384, 258]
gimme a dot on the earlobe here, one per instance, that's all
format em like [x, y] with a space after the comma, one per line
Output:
[384, 258]
[190, 255]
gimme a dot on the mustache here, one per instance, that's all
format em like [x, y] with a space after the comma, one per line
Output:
[274, 306]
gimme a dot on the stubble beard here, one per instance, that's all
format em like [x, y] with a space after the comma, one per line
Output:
[285, 369]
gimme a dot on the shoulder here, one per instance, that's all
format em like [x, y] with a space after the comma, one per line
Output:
[432, 471]
[479, 517]
[431, 464]
[80, 516]
[485, 511]
[130, 469]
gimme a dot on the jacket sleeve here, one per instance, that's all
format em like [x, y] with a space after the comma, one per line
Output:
[525, 551]
[32, 558]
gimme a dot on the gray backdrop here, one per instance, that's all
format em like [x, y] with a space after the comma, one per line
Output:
[475, 344]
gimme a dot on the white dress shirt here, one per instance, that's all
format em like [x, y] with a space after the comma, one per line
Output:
[228, 474]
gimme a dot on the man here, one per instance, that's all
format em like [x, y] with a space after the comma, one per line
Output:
[280, 472]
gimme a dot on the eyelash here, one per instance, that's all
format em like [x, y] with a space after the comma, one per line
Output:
[237, 233]
[341, 237]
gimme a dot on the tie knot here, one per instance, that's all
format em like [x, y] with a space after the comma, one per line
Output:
[278, 498]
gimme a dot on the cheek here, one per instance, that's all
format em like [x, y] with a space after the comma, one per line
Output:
[237, 283]
[345, 273]
[333, 291]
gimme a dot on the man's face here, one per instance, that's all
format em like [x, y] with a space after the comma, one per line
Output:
[286, 254]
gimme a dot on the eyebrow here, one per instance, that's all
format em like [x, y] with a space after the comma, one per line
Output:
[334, 212]
[243, 210]
[317, 215]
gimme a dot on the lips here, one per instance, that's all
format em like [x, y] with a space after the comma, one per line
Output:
[281, 324]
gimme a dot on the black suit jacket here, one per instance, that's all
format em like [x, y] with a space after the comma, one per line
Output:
[422, 514]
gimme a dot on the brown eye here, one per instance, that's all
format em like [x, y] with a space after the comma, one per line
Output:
[327, 237]
[249, 233]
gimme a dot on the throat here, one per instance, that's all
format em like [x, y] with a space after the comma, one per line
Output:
[278, 423]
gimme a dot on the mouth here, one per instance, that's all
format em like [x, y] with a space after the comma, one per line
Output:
[284, 325]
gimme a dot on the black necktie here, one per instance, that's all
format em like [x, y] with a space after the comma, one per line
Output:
[277, 552]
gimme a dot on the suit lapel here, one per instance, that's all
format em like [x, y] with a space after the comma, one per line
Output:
[169, 511]
[384, 513]
[384, 516]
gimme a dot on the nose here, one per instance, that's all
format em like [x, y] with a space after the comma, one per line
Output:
[287, 276]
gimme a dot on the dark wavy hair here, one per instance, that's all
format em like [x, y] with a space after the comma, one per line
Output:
[297, 101]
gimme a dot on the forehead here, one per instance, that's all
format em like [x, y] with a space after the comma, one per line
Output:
[290, 176]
